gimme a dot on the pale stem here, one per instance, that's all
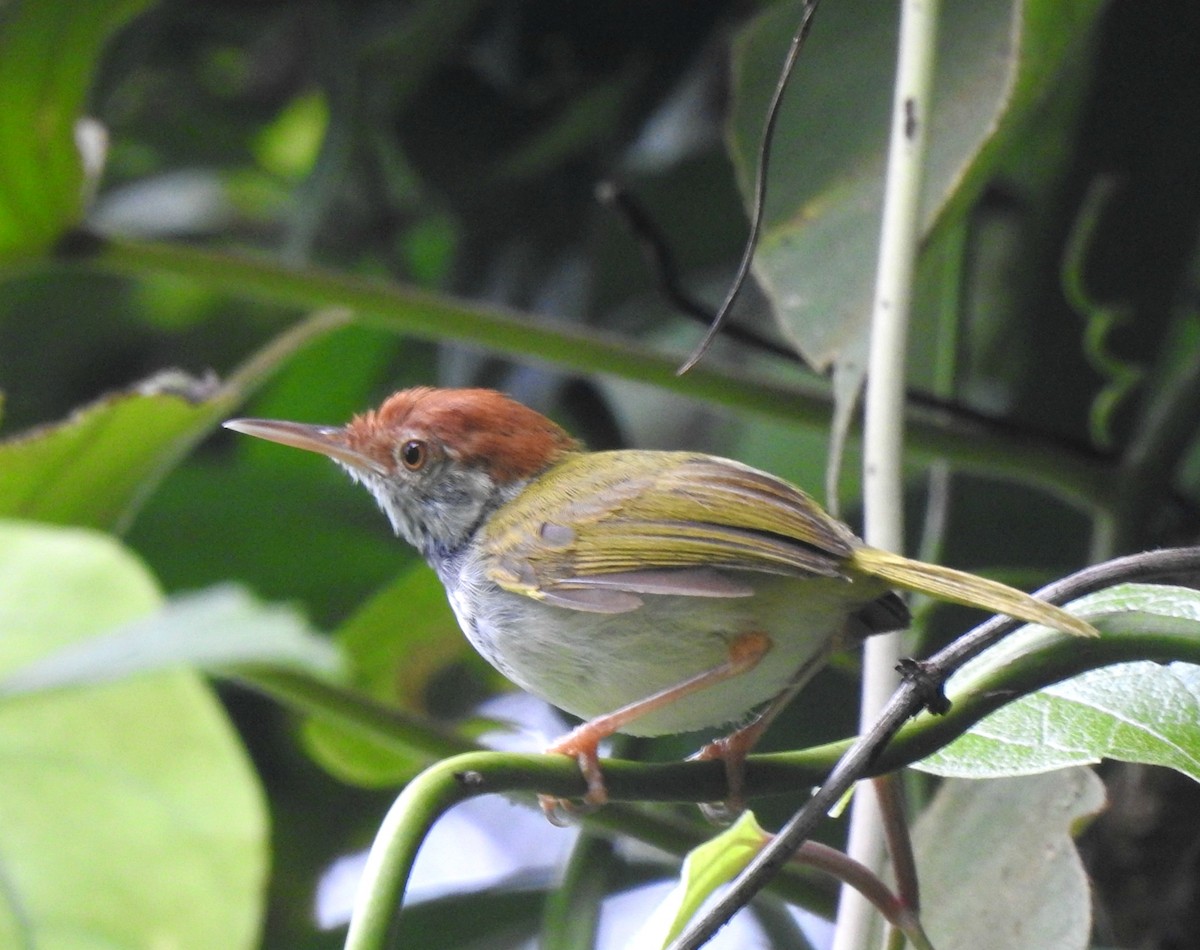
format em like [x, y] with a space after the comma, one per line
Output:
[884, 405]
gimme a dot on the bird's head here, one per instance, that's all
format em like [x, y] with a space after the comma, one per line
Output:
[438, 461]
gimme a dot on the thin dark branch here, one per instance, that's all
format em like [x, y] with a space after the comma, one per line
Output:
[656, 249]
[910, 698]
[760, 184]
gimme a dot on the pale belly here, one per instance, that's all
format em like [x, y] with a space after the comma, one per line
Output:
[590, 664]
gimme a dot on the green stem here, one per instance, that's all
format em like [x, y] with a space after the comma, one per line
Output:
[396, 844]
[1131, 635]
[969, 444]
[400, 309]
[572, 911]
[1127, 636]
[445, 784]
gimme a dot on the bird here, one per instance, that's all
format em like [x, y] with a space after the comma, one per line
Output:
[646, 592]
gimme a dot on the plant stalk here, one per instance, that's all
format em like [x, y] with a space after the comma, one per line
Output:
[883, 490]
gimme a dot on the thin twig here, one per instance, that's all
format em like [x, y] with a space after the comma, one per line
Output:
[656, 249]
[760, 185]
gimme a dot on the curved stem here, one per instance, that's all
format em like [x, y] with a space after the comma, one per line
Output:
[396, 844]
[1127, 636]
[443, 785]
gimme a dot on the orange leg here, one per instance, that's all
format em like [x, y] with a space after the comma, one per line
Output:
[733, 748]
[581, 742]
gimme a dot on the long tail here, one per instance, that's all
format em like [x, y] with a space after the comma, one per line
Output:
[959, 587]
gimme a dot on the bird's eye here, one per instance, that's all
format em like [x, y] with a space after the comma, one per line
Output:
[413, 455]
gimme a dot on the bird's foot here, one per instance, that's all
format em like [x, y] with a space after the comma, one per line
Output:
[582, 745]
[732, 751]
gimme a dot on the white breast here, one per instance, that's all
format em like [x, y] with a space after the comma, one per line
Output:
[590, 664]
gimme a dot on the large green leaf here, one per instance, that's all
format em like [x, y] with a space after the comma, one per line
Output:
[129, 813]
[996, 60]
[998, 866]
[48, 52]
[1135, 712]
[217, 630]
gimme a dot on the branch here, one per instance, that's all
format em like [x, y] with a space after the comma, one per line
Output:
[914, 694]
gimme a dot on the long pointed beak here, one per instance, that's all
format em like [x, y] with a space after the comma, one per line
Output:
[325, 440]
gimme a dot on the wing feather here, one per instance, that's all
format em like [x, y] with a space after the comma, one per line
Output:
[658, 522]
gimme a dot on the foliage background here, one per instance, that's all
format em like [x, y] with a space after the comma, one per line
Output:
[456, 147]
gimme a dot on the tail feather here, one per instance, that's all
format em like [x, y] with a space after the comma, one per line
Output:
[959, 587]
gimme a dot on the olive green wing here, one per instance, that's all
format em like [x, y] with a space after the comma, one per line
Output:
[602, 529]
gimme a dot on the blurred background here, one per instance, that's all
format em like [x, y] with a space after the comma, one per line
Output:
[475, 148]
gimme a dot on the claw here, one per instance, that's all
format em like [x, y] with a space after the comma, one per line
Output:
[562, 812]
[732, 751]
[582, 745]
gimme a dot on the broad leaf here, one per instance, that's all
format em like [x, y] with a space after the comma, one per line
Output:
[998, 866]
[129, 815]
[996, 60]
[215, 630]
[95, 467]
[1135, 712]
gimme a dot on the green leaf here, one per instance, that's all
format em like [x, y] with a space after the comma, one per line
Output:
[129, 815]
[97, 467]
[395, 643]
[214, 630]
[94, 468]
[706, 868]
[48, 53]
[998, 866]
[288, 147]
[995, 61]
[1134, 712]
